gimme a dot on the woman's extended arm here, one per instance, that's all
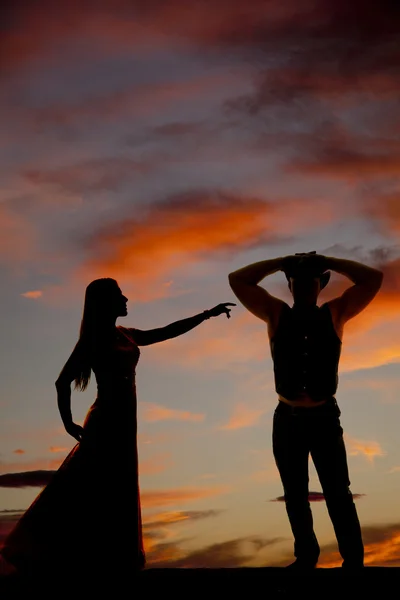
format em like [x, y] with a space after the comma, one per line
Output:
[153, 336]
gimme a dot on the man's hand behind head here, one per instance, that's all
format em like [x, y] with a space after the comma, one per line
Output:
[312, 263]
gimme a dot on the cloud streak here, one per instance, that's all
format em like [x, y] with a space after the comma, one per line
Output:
[150, 498]
[177, 232]
[244, 416]
[233, 553]
[180, 496]
[381, 547]
[26, 479]
[34, 294]
[369, 449]
[152, 412]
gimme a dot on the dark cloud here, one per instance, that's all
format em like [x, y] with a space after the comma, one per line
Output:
[26, 479]
[314, 497]
[379, 255]
[178, 129]
[339, 32]
[233, 553]
[329, 47]
[94, 175]
[325, 90]
[311, 62]
[339, 161]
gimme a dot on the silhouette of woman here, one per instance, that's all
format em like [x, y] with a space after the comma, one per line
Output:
[87, 520]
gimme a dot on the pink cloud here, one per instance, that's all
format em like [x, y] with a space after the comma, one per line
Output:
[244, 416]
[155, 412]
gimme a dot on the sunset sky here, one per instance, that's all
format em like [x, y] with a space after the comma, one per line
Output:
[166, 144]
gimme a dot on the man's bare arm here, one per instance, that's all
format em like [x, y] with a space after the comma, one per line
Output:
[367, 282]
[244, 284]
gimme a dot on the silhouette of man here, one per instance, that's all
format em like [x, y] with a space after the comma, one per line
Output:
[305, 342]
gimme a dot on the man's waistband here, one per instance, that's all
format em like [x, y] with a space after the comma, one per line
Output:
[329, 406]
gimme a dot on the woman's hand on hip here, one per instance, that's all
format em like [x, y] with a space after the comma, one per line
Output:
[75, 430]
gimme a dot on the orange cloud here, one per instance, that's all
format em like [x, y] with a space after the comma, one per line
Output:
[179, 496]
[155, 464]
[370, 338]
[226, 554]
[155, 412]
[33, 294]
[161, 526]
[369, 449]
[167, 237]
[17, 238]
[161, 531]
[366, 350]
[381, 548]
[187, 228]
[58, 449]
[142, 251]
[177, 232]
[172, 517]
[19, 451]
[244, 416]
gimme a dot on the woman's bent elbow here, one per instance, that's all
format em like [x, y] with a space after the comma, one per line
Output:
[62, 384]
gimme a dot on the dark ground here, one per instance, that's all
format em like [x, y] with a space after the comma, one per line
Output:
[260, 583]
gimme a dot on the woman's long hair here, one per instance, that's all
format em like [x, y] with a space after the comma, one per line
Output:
[99, 297]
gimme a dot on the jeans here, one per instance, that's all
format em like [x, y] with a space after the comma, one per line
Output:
[298, 432]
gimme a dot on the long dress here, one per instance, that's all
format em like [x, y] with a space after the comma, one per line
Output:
[88, 518]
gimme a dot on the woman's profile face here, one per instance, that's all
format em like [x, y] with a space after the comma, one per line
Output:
[120, 303]
[115, 303]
